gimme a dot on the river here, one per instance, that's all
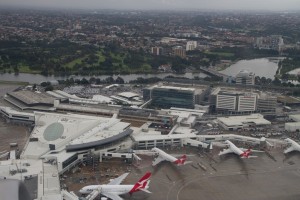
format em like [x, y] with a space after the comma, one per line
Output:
[37, 78]
[261, 67]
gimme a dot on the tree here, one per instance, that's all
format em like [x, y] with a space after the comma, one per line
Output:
[49, 88]
[276, 81]
[45, 84]
[98, 81]
[109, 79]
[285, 76]
[92, 80]
[263, 80]
[120, 80]
[257, 80]
[84, 81]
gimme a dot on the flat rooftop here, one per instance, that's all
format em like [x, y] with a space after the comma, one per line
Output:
[288, 100]
[296, 118]
[258, 119]
[174, 88]
[128, 94]
[61, 130]
[29, 97]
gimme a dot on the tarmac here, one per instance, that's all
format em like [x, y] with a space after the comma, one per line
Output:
[225, 178]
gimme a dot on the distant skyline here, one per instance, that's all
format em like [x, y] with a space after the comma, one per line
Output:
[268, 5]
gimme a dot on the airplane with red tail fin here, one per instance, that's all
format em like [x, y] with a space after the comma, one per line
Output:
[243, 153]
[163, 156]
[113, 189]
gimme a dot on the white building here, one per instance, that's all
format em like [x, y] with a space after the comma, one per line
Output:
[247, 102]
[226, 101]
[293, 126]
[191, 45]
[240, 122]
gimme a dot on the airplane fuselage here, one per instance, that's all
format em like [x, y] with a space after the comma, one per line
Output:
[234, 148]
[114, 189]
[163, 154]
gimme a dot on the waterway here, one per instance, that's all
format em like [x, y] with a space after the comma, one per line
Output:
[261, 67]
[37, 78]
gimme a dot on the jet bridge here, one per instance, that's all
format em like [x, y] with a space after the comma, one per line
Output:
[194, 143]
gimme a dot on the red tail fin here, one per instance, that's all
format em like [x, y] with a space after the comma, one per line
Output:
[246, 153]
[141, 184]
[181, 160]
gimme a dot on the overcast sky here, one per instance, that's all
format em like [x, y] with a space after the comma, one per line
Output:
[160, 4]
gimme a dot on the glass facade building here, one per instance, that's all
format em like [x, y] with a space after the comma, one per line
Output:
[165, 97]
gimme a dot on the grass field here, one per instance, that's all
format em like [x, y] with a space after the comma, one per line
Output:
[26, 69]
[74, 62]
[222, 54]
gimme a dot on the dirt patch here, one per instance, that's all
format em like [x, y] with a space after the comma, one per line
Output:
[12, 133]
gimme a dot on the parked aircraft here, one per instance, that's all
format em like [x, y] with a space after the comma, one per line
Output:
[113, 189]
[294, 146]
[163, 156]
[243, 153]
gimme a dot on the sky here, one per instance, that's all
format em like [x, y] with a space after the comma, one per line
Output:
[272, 5]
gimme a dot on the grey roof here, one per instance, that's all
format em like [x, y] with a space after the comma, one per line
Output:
[89, 145]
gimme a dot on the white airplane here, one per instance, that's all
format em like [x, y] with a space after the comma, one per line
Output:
[113, 189]
[243, 153]
[294, 146]
[163, 156]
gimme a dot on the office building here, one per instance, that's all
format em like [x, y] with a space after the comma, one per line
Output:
[179, 51]
[245, 77]
[247, 102]
[156, 51]
[228, 100]
[170, 96]
[266, 103]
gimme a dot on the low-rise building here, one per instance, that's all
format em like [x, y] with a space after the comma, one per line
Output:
[245, 77]
[191, 45]
[240, 122]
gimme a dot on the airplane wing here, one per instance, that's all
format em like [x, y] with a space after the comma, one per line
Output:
[93, 194]
[225, 151]
[157, 160]
[252, 150]
[288, 150]
[112, 196]
[118, 180]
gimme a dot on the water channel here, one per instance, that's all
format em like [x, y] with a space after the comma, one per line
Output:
[261, 67]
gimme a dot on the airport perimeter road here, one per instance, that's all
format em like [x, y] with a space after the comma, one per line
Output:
[263, 178]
